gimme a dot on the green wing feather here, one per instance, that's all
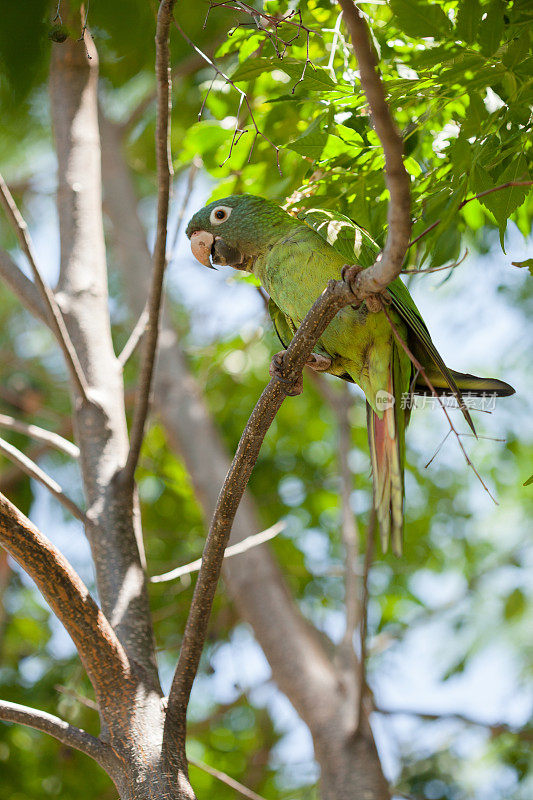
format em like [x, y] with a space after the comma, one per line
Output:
[349, 242]
[281, 323]
[406, 308]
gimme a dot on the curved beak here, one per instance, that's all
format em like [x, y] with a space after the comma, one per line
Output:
[201, 244]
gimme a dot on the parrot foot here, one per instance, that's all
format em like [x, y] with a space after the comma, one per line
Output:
[319, 363]
[374, 302]
[292, 387]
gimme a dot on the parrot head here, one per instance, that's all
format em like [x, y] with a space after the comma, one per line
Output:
[235, 230]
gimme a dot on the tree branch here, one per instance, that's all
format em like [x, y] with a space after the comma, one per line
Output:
[499, 188]
[58, 728]
[134, 338]
[363, 622]
[398, 183]
[31, 469]
[233, 550]
[164, 173]
[100, 651]
[188, 66]
[114, 528]
[495, 728]
[22, 287]
[56, 321]
[40, 434]
[335, 296]
[227, 779]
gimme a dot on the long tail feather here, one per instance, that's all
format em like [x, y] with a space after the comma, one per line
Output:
[386, 438]
[469, 384]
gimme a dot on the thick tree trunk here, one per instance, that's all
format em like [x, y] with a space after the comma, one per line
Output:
[349, 763]
[142, 764]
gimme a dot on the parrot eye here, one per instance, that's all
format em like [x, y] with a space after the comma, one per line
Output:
[219, 214]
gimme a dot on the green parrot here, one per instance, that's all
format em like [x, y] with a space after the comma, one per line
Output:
[294, 258]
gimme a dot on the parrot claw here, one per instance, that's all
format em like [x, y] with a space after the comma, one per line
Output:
[374, 302]
[292, 387]
[319, 363]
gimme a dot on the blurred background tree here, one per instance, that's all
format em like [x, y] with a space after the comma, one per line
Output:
[449, 625]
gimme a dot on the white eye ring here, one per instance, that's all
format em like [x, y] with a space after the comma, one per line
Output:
[219, 215]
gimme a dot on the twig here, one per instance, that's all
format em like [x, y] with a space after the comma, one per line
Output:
[234, 550]
[22, 287]
[134, 338]
[164, 173]
[85, 701]
[191, 178]
[436, 269]
[186, 67]
[434, 392]
[31, 469]
[461, 205]
[227, 779]
[334, 45]
[57, 323]
[100, 651]
[40, 434]
[58, 728]
[363, 625]
[397, 179]
[242, 94]
[340, 403]
[495, 728]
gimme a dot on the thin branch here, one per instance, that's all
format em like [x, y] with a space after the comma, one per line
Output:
[85, 701]
[187, 67]
[243, 96]
[191, 178]
[57, 323]
[134, 338]
[507, 185]
[22, 287]
[363, 624]
[436, 269]
[340, 403]
[350, 534]
[58, 728]
[397, 179]
[495, 728]
[434, 392]
[40, 434]
[98, 646]
[227, 779]
[164, 173]
[234, 550]
[31, 469]
[336, 295]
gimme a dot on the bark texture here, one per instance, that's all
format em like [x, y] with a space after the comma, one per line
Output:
[100, 424]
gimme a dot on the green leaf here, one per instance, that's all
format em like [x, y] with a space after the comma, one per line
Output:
[315, 78]
[468, 17]
[492, 27]
[503, 202]
[521, 264]
[529, 481]
[312, 141]
[419, 18]
[515, 604]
